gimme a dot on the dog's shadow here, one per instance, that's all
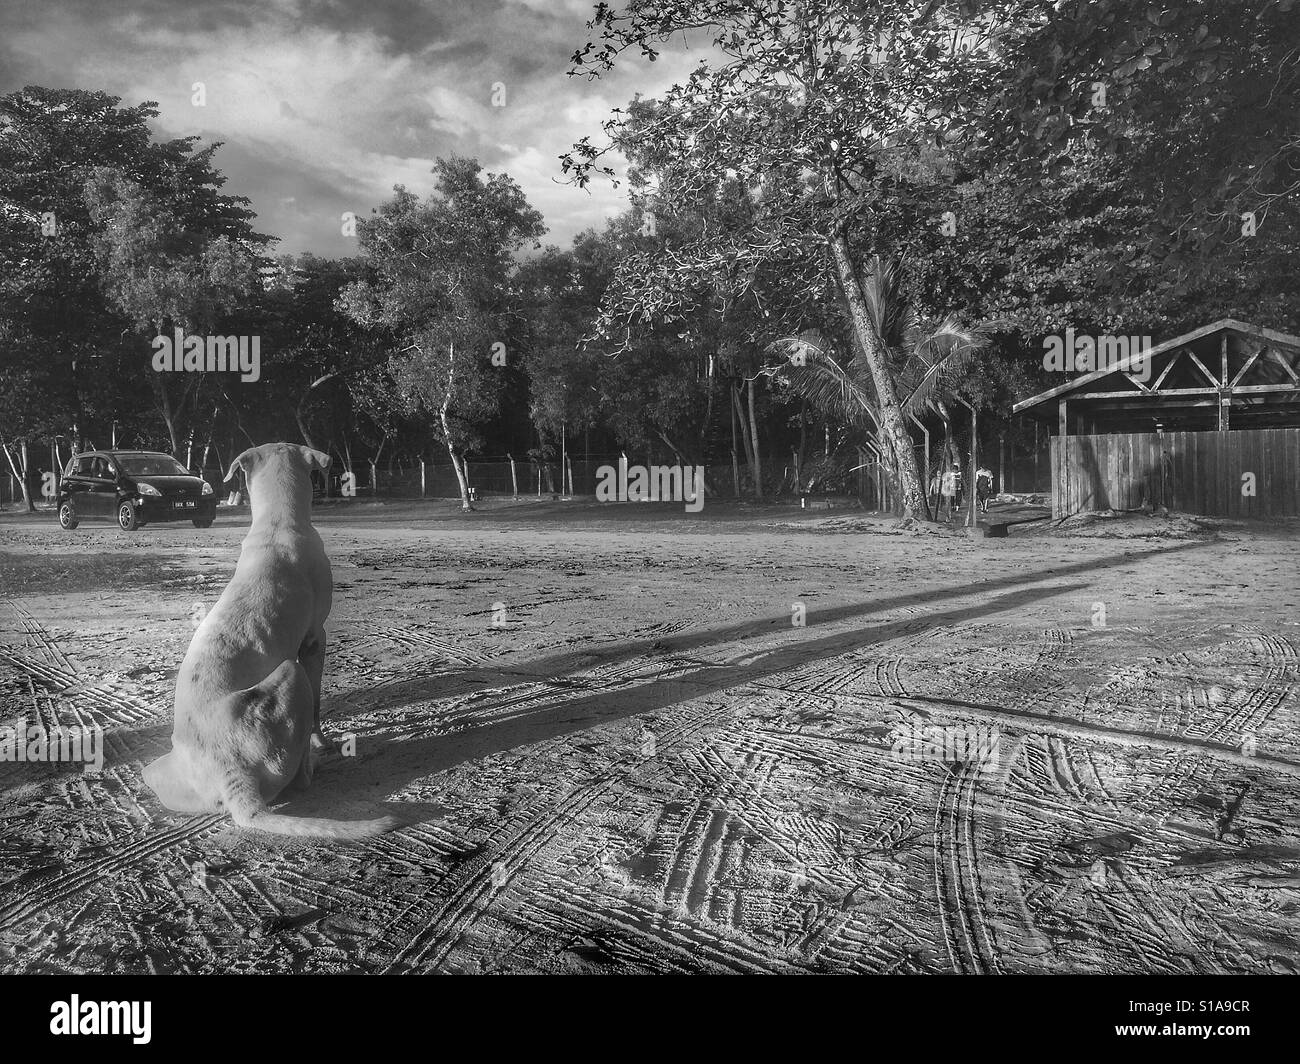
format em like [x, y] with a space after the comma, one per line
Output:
[328, 801]
[324, 797]
[385, 765]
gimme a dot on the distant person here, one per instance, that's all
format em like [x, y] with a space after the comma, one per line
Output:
[950, 489]
[983, 488]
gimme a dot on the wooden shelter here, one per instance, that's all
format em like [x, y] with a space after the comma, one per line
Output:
[1207, 422]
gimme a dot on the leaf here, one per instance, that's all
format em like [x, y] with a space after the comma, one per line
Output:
[939, 358]
[838, 391]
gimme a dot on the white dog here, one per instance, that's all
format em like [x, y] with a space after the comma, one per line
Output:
[248, 693]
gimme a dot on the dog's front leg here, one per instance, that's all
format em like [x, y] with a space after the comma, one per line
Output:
[312, 656]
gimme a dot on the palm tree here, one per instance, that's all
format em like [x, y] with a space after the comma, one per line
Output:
[926, 358]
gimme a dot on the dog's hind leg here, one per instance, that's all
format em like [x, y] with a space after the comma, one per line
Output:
[272, 723]
[307, 768]
[275, 718]
[312, 657]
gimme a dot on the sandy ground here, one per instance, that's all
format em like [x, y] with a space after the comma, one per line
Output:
[612, 749]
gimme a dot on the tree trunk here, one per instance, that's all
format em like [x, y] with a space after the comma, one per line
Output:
[302, 402]
[758, 456]
[27, 470]
[972, 518]
[891, 413]
[677, 451]
[949, 455]
[168, 413]
[302, 428]
[207, 444]
[803, 432]
[738, 411]
[703, 449]
[887, 472]
[547, 475]
[21, 477]
[446, 428]
[460, 471]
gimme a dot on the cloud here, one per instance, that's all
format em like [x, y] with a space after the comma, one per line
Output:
[323, 106]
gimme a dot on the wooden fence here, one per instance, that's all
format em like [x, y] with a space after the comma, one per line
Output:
[1191, 472]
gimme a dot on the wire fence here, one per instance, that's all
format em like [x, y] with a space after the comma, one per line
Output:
[527, 477]
[522, 478]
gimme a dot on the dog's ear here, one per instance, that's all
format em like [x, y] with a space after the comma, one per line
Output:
[246, 461]
[316, 459]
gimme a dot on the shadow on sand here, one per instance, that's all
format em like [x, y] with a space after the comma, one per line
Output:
[366, 779]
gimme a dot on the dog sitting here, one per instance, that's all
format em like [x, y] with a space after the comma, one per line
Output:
[248, 692]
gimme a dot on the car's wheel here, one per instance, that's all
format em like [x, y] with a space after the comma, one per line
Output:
[127, 518]
[67, 516]
[203, 522]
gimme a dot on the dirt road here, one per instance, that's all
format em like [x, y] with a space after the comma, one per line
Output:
[633, 739]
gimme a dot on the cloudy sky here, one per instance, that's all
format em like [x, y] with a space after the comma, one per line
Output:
[324, 105]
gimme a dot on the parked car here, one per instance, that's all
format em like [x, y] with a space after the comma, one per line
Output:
[133, 488]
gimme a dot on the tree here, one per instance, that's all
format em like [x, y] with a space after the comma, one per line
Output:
[564, 378]
[65, 362]
[162, 271]
[926, 358]
[439, 283]
[816, 110]
[327, 369]
[1196, 103]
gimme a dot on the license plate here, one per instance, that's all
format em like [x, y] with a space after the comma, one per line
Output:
[186, 505]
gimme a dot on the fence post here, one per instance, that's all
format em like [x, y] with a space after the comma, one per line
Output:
[925, 436]
[422, 476]
[1160, 446]
[1064, 485]
[514, 480]
[972, 510]
[569, 466]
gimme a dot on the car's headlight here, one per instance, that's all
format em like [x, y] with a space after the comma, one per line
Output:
[147, 489]
[207, 488]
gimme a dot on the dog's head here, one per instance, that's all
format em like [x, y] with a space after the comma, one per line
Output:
[289, 465]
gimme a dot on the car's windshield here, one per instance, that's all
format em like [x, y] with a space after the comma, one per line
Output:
[151, 465]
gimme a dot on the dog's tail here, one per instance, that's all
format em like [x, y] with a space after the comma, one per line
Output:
[318, 827]
[271, 702]
[249, 811]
